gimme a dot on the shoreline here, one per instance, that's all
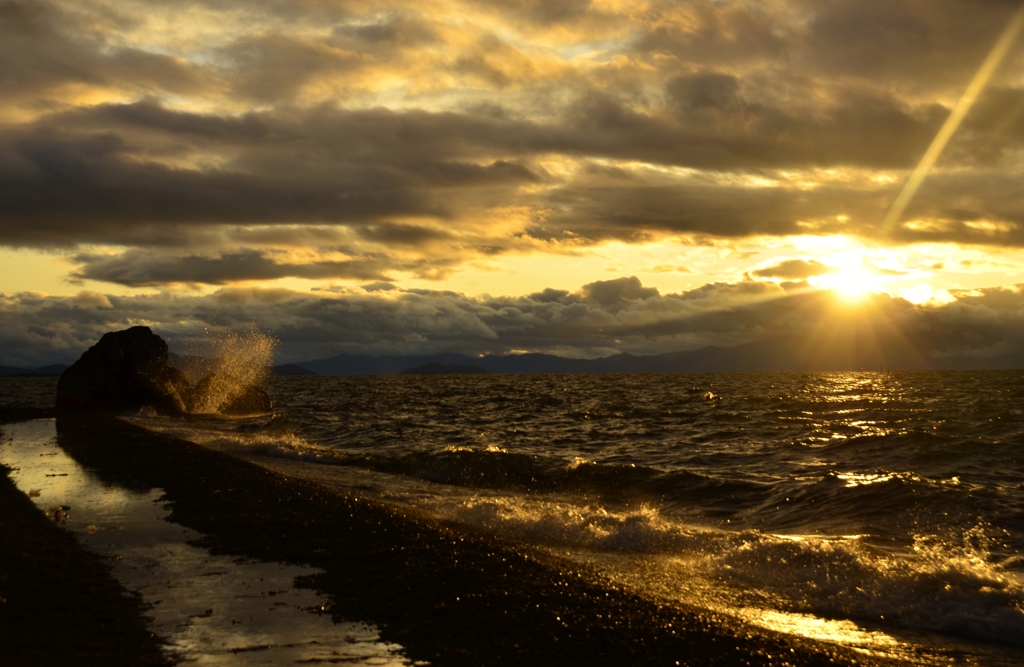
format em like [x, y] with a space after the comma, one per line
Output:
[446, 594]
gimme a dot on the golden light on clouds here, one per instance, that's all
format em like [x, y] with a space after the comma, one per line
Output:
[678, 169]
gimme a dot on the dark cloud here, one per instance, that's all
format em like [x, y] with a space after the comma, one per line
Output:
[149, 115]
[275, 67]
[392, 233]
[614, 292]
[929, 44]
[794, 269]
[45, 47]
[546, 13]
[549, 295]
[395, 31]
[334, 167]
[379, 287]
[36, 56]
[84, 176]
[631, 211]
[711, 32]
[859, 128]
[147, 71]
[143, 269]
[302, 12]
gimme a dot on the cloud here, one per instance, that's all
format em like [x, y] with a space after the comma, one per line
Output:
[614, 292]
[924, 44]
[276, 67]
[394, 31]
[394, 138]
[126, 163]
[142, 269]
[399, 234]
[52, 53]
[794, 269]
[93, 299]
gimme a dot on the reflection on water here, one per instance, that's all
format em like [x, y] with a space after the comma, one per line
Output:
[805, 625]
[212, 610]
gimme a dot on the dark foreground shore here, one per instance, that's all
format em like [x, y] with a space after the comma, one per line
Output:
[448, 596]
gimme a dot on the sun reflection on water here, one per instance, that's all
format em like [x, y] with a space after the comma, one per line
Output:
[814, 627]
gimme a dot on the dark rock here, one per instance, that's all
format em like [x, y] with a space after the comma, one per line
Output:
[129, 369]
[444, 369]
[125, 370]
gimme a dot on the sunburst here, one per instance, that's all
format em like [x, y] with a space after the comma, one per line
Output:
[851, 282]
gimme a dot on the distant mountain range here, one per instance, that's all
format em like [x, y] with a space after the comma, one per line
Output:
[845, 351]
[435, 368]
[53, 370]
[200, 365]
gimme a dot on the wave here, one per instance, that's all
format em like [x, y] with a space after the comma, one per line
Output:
[950, 586]
[917, 575]
[829, 501]
[943, 585]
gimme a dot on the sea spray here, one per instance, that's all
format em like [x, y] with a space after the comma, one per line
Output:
[237, 361]
[948, 586]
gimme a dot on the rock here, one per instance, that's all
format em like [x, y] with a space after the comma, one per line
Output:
[128, 369]
[125, 370]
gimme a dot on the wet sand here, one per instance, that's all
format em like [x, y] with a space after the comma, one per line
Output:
[447, 595]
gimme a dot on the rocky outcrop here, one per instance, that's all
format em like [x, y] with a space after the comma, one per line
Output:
[125, 370]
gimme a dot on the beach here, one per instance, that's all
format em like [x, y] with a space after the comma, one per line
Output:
[445, 594]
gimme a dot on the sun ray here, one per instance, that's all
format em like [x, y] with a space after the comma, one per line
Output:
[988, 68]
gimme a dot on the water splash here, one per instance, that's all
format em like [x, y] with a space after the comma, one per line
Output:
[950, 584]
[246, 355]
[947, 584]
[239, 361]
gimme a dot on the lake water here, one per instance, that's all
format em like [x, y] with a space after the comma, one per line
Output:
[879, 510]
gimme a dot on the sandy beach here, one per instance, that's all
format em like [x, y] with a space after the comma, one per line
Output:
[448, 596]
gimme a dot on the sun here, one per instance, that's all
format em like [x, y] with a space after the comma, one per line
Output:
[851, 282]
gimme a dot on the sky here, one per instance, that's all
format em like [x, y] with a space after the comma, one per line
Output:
[581, 178]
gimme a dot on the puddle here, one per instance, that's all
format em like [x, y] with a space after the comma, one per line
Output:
[212, 610]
